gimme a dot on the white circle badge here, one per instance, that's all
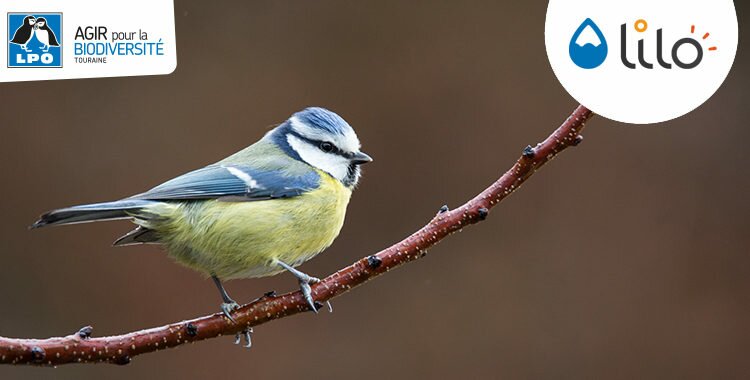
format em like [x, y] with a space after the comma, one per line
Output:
[641, 61]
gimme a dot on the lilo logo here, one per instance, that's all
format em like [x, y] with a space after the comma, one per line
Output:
[588, 47]
[34, 39]
[641, 61]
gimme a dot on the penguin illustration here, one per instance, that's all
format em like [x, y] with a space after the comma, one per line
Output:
[25, 32]
[44, 34]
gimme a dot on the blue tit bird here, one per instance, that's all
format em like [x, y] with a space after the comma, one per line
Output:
[263, 210]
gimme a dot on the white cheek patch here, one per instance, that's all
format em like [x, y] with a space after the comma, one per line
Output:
[347, 142]
[330, 163]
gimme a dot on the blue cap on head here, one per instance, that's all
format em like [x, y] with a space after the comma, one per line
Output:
[321, 118]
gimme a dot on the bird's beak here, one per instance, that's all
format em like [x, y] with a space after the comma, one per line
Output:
[360, 158]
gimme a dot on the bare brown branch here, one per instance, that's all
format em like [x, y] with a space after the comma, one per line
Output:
[80, 347]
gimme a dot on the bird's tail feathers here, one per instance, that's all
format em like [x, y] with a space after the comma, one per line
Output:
[92, 212]
[140, 235]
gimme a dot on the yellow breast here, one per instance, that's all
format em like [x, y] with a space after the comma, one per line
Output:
[242, 239]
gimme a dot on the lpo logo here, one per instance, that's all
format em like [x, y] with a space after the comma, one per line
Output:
[34, 39]
[641, 61]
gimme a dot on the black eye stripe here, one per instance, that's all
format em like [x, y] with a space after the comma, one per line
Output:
[317, 143]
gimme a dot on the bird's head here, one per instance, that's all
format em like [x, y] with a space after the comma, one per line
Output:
[40, 22]
[325, 141]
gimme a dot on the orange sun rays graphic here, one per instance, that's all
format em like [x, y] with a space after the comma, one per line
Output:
[705, 36]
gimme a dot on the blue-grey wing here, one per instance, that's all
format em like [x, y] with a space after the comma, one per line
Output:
[232, 183]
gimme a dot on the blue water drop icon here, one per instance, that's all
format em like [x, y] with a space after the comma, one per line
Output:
[588, 47]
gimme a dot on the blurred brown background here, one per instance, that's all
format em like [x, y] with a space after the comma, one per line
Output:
[626, 257]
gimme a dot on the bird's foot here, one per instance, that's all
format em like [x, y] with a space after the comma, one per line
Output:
[305, 280]
[307, 293]
[228, 307]
[304, 285]
[247, 334]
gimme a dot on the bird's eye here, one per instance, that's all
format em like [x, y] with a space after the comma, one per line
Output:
[327, 147]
